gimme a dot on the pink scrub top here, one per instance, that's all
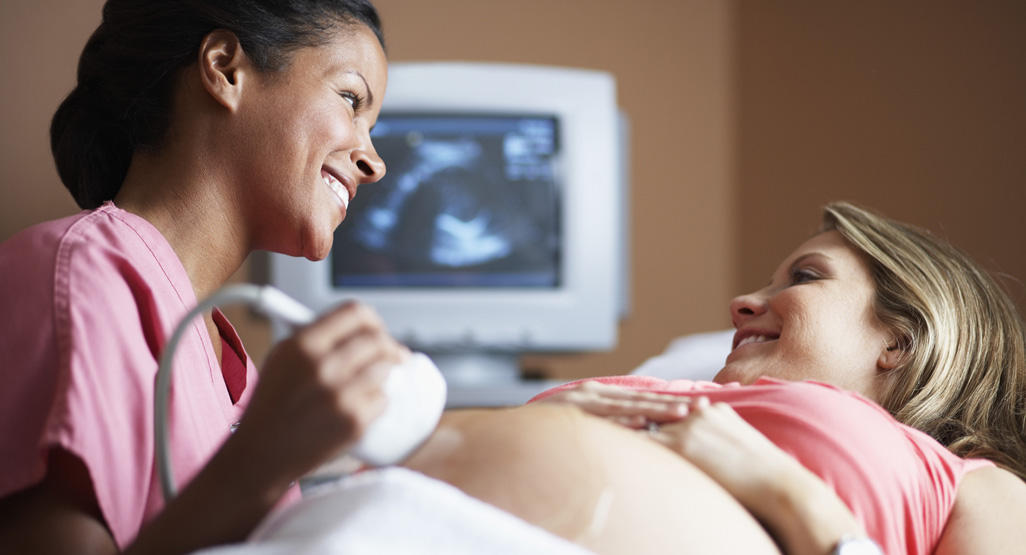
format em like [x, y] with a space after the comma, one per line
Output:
[899, 482]
[89, 302]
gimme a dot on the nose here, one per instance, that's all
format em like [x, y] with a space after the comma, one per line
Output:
[746, 307]
[370, 167]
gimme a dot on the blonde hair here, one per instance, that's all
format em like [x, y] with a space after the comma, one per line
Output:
[962, 374]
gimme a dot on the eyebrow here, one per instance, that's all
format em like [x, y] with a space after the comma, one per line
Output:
[809, 255]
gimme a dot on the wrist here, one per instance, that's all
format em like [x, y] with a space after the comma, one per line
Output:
[780, 485]
[250, 474]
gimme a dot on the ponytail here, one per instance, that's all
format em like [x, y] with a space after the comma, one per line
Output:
[90, 150]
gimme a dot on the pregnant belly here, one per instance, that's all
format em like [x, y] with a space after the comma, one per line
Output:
[600, 485]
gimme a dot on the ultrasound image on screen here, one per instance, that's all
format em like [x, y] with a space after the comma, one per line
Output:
[467, 201]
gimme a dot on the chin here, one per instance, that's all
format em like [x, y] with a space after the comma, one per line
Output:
[730, 374]
[318, 254]
[318, 245]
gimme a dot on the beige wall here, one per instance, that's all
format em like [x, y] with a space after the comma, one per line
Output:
[671, 60]
[41, 43]
[746, 116]
[917, 108]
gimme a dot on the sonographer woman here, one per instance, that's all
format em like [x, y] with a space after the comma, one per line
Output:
[198, 132]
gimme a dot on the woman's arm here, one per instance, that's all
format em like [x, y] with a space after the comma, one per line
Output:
[988, 516]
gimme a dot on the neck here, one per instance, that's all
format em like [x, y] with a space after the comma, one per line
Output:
[184, 196]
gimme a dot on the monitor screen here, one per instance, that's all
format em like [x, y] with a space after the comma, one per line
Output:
[469, 200]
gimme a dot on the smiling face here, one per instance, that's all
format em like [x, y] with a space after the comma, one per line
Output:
[815, 320]
[304, 144]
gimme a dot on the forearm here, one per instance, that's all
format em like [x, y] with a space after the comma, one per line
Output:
[803, 513]
[222, 504]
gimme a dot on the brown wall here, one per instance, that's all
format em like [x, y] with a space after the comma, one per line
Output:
[746, 116]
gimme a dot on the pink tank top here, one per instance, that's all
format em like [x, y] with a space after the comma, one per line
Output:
[89, 302]
[899, 482]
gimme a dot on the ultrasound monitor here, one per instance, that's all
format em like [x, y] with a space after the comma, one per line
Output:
[498, 228]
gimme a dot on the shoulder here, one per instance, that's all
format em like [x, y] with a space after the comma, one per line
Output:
[33, 249]
[88, 238]
[101, 252]
[987, 516]
[110, 234]
[88, 276]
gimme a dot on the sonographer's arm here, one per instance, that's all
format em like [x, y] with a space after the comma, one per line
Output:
[61, 516]
[801, 511]
[58, 515]
[318, 392]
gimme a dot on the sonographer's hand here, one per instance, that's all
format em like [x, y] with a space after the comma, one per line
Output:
[622, 405]
[320, 389]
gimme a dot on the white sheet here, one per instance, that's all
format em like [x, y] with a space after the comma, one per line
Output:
[395, 510]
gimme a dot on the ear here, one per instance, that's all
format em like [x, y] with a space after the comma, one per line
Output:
[223, 67]
[890, 355]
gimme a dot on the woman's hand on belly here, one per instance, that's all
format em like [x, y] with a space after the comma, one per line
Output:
[728, 449]
[802, 511]
[625, 406]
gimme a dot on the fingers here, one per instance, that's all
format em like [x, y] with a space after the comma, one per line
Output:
[694, 409]
[364, 400]
[329, 377]
[347, 321]
[624, 406]
[339, 363]
[617, 392]
[364, 357]
[635, 421]
[628, 407]
[708, 428]
[346, 342]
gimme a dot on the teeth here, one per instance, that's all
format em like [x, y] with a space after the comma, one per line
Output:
[753, 339]
[337, 188]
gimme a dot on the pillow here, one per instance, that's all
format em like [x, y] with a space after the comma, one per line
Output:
[697, 357]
